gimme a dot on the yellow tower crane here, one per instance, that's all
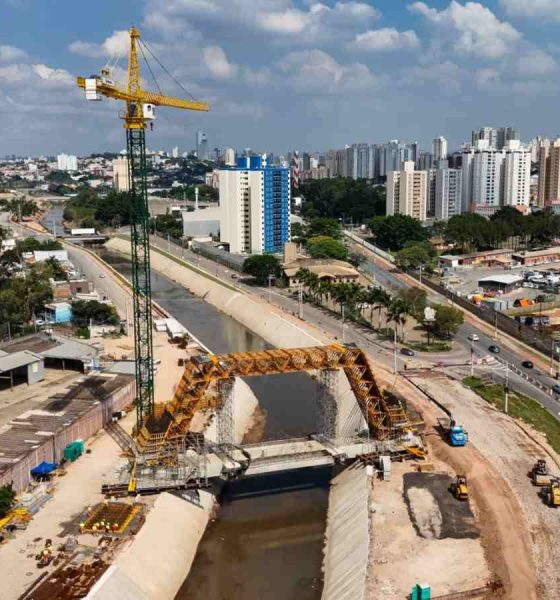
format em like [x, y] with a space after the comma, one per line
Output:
[140, 105]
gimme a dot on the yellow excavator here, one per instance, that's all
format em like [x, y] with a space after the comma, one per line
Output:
[551, 493]
[459, 488]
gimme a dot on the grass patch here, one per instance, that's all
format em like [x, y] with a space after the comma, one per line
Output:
[521, 407]
[432, 347]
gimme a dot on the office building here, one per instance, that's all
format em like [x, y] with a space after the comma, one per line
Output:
[448, 192]
[202, 151]
[407, 192]
[120, 174]
[67, 162]
[255, 206]
[517, 175]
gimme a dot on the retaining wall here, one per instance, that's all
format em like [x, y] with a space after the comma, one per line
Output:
[346, 552]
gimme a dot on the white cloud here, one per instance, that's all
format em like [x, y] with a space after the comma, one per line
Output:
[285, 18]
[316, 72]
[217, 63]
[535, 63]
[471, 29]
[39, 75]
[116, 44]
[387, 38]
[444, 76]
[541, 9]
[11, 54]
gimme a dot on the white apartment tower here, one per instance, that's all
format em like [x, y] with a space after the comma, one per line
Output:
[439, 149]
[67, 162]
[517, 175]
[229, 157]
[120, 174]
[407, 192]
[482, 178]
[448, 193]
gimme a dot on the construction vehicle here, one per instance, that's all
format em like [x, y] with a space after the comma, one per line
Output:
[551, 493]
[540, 474]
[455, 434]
[459, 488]
[140, 112]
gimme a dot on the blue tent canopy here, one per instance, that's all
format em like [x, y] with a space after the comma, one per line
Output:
[43, 469]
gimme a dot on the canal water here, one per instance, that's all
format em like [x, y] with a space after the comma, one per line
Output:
[266, 543]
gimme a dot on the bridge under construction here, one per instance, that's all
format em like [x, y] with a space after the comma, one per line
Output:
[165, 453]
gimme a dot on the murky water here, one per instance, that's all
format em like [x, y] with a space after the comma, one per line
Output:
[267, 541]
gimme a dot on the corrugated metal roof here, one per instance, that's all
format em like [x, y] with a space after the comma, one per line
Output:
[17, 359]
[505, 279]
[71, 350]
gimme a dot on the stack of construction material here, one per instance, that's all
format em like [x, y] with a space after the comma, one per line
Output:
[34, 499]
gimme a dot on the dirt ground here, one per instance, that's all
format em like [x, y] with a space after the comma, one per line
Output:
[512, 453]
[421, 533]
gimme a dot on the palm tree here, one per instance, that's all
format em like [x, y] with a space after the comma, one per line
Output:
[396, 312]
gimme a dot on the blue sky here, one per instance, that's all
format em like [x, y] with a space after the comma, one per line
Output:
[283, 74]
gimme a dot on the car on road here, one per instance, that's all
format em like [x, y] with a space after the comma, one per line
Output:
[527, 364]
[473, 337]
[407, 351]
[39, 322]
[556, 388]
[233, 276]
[494, 349]
[101, 276]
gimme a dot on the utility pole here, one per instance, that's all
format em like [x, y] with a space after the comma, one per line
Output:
[395, 349]
[54, 227]
[168, 244]
[270, 278]
[506, 399]
[300, 301]
[472, 358]
[495, 323]
[421, 274]
[343, 326]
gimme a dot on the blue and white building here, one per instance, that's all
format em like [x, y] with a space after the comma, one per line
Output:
[254, 206]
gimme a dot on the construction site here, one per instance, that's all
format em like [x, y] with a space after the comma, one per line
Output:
[264, 457]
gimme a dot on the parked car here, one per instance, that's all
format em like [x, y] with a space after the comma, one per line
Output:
[407, 351]
[473, 337]
[527, 364]
[556, 388]
[494, 349]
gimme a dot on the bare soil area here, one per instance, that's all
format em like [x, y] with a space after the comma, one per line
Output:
[421, 533]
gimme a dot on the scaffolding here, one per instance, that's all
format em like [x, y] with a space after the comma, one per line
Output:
[327, 385]
[225, 415]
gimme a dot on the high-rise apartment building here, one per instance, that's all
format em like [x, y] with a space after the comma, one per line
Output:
[425, 161]
[448, 193]
[439, 148]
[407, 192]
[201, 146]
[120, 174]
[175, 152]
[548, 194]
[255, 206]
[516, 175]
[229, 157]
[496, 138]
[482, 178]
[67, 162]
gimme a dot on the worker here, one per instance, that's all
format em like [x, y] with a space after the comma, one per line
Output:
[89, 511]
[94, 529]
[82, 527]
[115, 526]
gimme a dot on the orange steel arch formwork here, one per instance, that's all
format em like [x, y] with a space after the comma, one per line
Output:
[386, 416]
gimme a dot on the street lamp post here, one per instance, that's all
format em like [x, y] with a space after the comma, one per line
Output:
[343, 325]
[300, 301]
[395, 349]
[270, 279]
[506, 398]
[472, 358]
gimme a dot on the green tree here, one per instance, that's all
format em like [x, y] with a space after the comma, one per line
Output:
[261, 266]
[7, 497]
[324, 226]
[32, 244]
[447, 320]
[412, 257]
[55, 270]
[323, 246]
[98, 312]
[395, 231]
[298, 232]
[416, 299]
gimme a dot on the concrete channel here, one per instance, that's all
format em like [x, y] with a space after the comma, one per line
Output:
[286, 528]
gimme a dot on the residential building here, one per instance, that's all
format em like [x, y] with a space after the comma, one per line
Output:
[482, 178]
[517, 175]
[407, 192]
[255, 206]
[425, 161]
[229, 157]
[330, 163]
[67, 162]
[448, 193]
[202, 151]
[439, 148]
[120, 175]
[496, 138]
[549, 175]
[363, 165]
[175, 152]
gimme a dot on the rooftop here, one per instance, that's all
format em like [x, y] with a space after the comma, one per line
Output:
[535, 253]
[505, 279]
[9, 362]
[47, 346]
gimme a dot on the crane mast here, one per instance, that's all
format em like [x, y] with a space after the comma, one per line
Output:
[139, 111]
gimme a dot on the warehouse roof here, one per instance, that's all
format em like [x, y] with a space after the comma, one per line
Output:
[9, 362]
[46, 346]
[504, 279]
